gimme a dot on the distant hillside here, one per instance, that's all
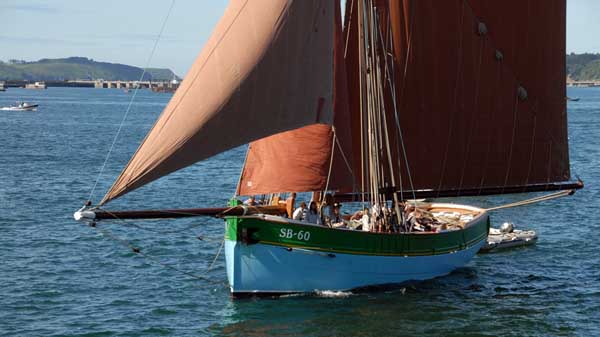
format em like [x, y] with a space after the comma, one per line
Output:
[583, 67]
[77, 68]
[580, 67]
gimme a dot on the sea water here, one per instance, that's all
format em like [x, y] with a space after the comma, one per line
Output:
[63, 278]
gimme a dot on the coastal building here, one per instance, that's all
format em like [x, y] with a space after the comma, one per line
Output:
[36, 85]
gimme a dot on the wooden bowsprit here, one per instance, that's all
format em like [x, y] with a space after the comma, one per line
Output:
[86, 214]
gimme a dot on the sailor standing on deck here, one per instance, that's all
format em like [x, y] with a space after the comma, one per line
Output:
[300, 212]
[366, 222]
[337, 221]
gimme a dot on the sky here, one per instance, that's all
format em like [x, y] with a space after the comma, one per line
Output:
[124, 31]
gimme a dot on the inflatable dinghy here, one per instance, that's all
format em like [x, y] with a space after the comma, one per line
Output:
[507, 237]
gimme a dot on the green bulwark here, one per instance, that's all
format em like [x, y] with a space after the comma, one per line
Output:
[251, 230]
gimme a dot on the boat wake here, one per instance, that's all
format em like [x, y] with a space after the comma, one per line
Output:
[333, 294]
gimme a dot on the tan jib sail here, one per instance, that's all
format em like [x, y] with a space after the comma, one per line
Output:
[301, 159]
[479, 88]
[267, 68]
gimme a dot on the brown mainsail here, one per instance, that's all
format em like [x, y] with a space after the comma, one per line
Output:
[478, 98]
[267, 68]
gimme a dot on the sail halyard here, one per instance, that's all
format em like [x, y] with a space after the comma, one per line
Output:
[249, 82]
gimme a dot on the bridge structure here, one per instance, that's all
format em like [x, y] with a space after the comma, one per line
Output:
[158, 86]
[592, 83]
[161, 86]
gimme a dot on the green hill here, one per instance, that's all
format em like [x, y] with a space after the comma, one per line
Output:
[77, 68]
[583, 67]
[580, 67]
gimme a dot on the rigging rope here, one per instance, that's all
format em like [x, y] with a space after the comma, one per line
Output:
[385, 127]
[455, 111]
[337, 141]
[391, 81]
[402, 90]
[132, 224]
[239, 184]
[185, 229]
[162, 28]
[138, 251]
[473, 120]
[174, 212]
[533, 200]
[360, 43]
[157, 261]
[330, 159]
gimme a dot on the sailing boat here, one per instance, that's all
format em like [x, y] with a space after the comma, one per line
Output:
[407, 99]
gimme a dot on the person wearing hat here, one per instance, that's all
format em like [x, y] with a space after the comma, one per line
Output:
[336, 218]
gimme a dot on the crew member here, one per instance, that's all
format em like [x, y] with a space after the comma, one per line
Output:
[300, 212]
[312, 215]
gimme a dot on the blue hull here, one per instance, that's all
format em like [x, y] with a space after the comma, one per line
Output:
[262, 268]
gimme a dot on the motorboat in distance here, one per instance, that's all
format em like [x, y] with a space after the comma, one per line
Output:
[21, 106]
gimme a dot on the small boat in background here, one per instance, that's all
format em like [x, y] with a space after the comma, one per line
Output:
[2, 86]
[574, 99]
[508, 237]
[21, 106]
[36, 85]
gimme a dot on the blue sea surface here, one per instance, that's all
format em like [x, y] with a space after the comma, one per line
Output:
[63, 278]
